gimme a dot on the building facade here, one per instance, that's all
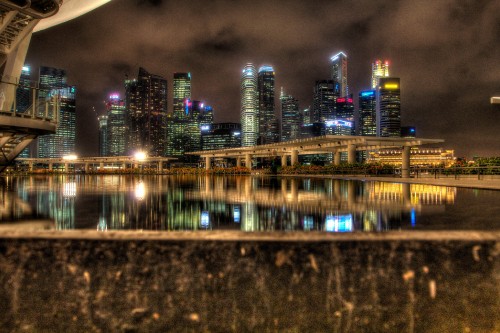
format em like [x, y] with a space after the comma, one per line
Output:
[344, 110]
[290, 118]
[268, 125]
[117, 125]
[53, 87]
[103, 135]
[146, 104]
[249, 106]
[221, 136]
[389, 107]
[325, 95]
[367, 113]
[339, 72]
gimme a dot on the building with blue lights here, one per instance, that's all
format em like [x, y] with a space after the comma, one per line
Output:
[367, 113]
[249, 114]
[117, 126]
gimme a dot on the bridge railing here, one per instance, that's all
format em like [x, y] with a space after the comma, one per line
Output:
[469, 172]
[28, 101]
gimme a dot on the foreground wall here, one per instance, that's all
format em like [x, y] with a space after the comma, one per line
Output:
[260, 285]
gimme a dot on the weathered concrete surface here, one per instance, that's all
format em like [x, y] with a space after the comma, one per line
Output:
[385, 283]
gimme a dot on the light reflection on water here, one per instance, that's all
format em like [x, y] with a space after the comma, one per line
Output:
[244, 203]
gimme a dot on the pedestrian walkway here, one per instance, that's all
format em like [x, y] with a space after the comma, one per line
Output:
[486, 182]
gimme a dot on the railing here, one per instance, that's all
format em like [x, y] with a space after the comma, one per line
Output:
[476, 172]
[18, 100]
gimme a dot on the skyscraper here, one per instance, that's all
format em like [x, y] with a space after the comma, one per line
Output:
[23, 91]
[379, 69]
[181, 92]
[177, 137]
[339, 72]
[146, 104]
[249, 106]
[367, 113]
[53, 87]
[324, 100]
[24, 98]
[268, 129]
[103, 135]
[344, 110]
[290, 117]
[117, 125]
[389, 107]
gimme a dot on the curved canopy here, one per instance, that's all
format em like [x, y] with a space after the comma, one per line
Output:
[69, 10]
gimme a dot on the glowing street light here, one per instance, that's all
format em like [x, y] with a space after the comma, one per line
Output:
[70, 157]
[140, 156]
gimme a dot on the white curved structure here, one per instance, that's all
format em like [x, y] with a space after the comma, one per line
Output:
[69, 10]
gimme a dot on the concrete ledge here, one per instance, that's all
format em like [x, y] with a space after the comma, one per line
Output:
[237, 282]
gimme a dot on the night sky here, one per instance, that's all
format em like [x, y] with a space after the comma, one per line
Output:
[447, 54]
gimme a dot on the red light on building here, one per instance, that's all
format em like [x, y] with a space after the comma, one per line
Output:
[349, 100]
[340, 100]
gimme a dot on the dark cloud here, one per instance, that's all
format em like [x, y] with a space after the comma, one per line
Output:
[154, 3]
[445, 52]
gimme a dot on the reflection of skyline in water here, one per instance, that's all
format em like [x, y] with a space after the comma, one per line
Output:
[230, 203]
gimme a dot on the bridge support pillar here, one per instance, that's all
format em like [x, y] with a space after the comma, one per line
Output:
[248, 161]
[51, 166]
[66, 167]
[351, 153]
[284, 160]
[208, 162]
[336, 158]
[160, 166]
[101, 166]
[294, 157]
[87, 168]
[124, 166]
[30, 166]
[405, 166]
[238, 161]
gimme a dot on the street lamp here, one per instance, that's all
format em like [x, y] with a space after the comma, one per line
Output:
[140, 156]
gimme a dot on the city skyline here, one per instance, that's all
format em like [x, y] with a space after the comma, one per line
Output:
[447, 78]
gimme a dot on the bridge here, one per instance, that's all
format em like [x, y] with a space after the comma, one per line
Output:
[326, 144]
[18, 20]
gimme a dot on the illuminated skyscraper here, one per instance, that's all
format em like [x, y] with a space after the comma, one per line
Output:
[325, 94]
[52, 83]
[389, 107]
[146, 104]
[181, 92]
[103, 135]
[177, 137]
[379, 69]
[290, 117]
[117, 125]
[268, 125]
[24, 98]
[339, 72]
[249, 106]
[368, 113]
[344, 110]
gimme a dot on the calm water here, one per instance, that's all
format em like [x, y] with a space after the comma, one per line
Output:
[243, 203]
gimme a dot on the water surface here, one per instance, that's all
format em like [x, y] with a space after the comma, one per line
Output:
[244, 203]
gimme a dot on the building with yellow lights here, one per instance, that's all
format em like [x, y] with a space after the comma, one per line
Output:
[418, 157]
